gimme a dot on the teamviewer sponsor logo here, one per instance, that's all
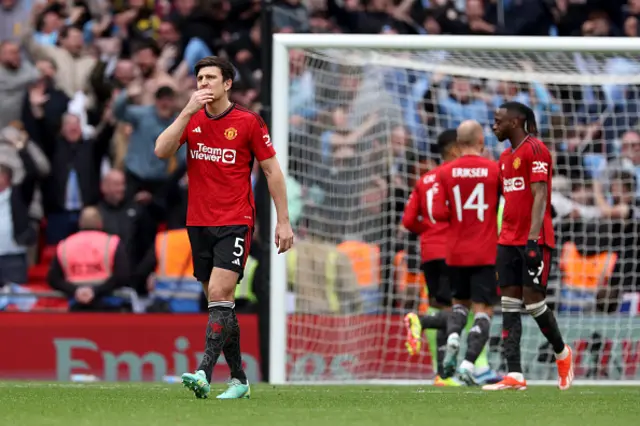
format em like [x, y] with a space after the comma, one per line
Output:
[229, 156]
[513, 184]
[215, 155]
[540, 167]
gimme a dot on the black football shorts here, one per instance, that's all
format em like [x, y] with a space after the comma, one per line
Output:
[511, 268]
[475, 283]
[225, 247]
[437, 278]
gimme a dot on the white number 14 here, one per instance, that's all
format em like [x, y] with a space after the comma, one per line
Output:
[474, 202]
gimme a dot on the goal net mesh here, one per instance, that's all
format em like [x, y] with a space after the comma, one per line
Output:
[362, 128]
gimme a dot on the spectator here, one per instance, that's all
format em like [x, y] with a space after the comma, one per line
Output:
[90, 265]
[145, 171]
[16, 230]
[75, 177]
[13, 15]
[73, 64]
[16, 75]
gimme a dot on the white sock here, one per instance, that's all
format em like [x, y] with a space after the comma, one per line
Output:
[562, 355]
[518, 376]
[467, 365]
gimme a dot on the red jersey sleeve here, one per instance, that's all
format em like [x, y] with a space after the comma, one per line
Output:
[261, 145]
[539, 163]
[440, 206]
[411, 217]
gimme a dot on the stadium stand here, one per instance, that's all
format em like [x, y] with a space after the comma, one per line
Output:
[82, 84]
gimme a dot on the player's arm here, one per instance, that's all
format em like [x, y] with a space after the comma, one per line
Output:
[170, 140]
[539, 179]
[262, 148]
[440, 203]
[539, 192]
[411, 216]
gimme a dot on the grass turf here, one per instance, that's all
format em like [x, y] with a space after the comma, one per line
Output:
[120, 404]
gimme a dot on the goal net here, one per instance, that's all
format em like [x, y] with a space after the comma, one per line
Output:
[357, 119]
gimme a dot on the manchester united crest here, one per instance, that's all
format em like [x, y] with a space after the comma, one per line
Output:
[516, 163]
[230, 133]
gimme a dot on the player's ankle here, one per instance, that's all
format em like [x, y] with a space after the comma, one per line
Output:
[518, 376]
[467, 365]
[564, 354]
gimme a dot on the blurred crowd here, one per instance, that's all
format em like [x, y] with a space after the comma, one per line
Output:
[86, 86]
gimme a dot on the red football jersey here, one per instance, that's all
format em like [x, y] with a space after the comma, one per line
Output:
[418, 218]
[220, 156]
[530, 162]
[467, 197]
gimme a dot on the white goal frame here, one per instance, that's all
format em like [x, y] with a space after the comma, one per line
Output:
[282, 43]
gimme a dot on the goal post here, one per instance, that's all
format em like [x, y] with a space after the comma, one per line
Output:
[336, 122]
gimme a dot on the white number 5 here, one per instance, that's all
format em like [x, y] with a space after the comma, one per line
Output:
[240, 246]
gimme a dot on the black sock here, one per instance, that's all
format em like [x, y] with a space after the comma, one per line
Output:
[457, 320]
[436, 321]
[441, 341]
[548, 325]
[231, 350]
[511, 333]
[478, 337]
[217, 331]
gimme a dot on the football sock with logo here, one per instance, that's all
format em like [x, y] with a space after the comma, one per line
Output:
[511, 333]
[482, 363]
[478, 337]
[435, 324]
[231, 349]
[457, 320]
[548, 325]
[217, 332]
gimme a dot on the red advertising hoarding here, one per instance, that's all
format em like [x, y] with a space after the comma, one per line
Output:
[126, 347]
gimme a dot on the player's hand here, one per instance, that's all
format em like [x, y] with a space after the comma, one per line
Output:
[533, 257]
[284, 237]
[84, 295]
[198, 100]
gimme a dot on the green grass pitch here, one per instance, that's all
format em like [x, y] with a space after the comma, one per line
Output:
[120, 404]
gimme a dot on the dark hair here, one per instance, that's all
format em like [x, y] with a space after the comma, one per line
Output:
[226, 69]
[64, 32]
[446, 140]
[147, 44]
[525, 114]
[165, 92]
[627, 179]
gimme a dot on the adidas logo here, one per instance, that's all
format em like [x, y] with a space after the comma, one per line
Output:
[236, 262]
[197, 130]
[475, 329]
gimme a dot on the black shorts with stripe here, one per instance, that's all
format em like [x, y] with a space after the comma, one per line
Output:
[225, 247]
[511, 268]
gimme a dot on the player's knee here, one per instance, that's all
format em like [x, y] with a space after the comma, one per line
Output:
[536, 309]
[481, 308]
[465, 303]
[222, 285]
[531, 295]
[510, 304]
[515, 292]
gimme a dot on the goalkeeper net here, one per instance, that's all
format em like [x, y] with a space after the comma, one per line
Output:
[362, 126]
